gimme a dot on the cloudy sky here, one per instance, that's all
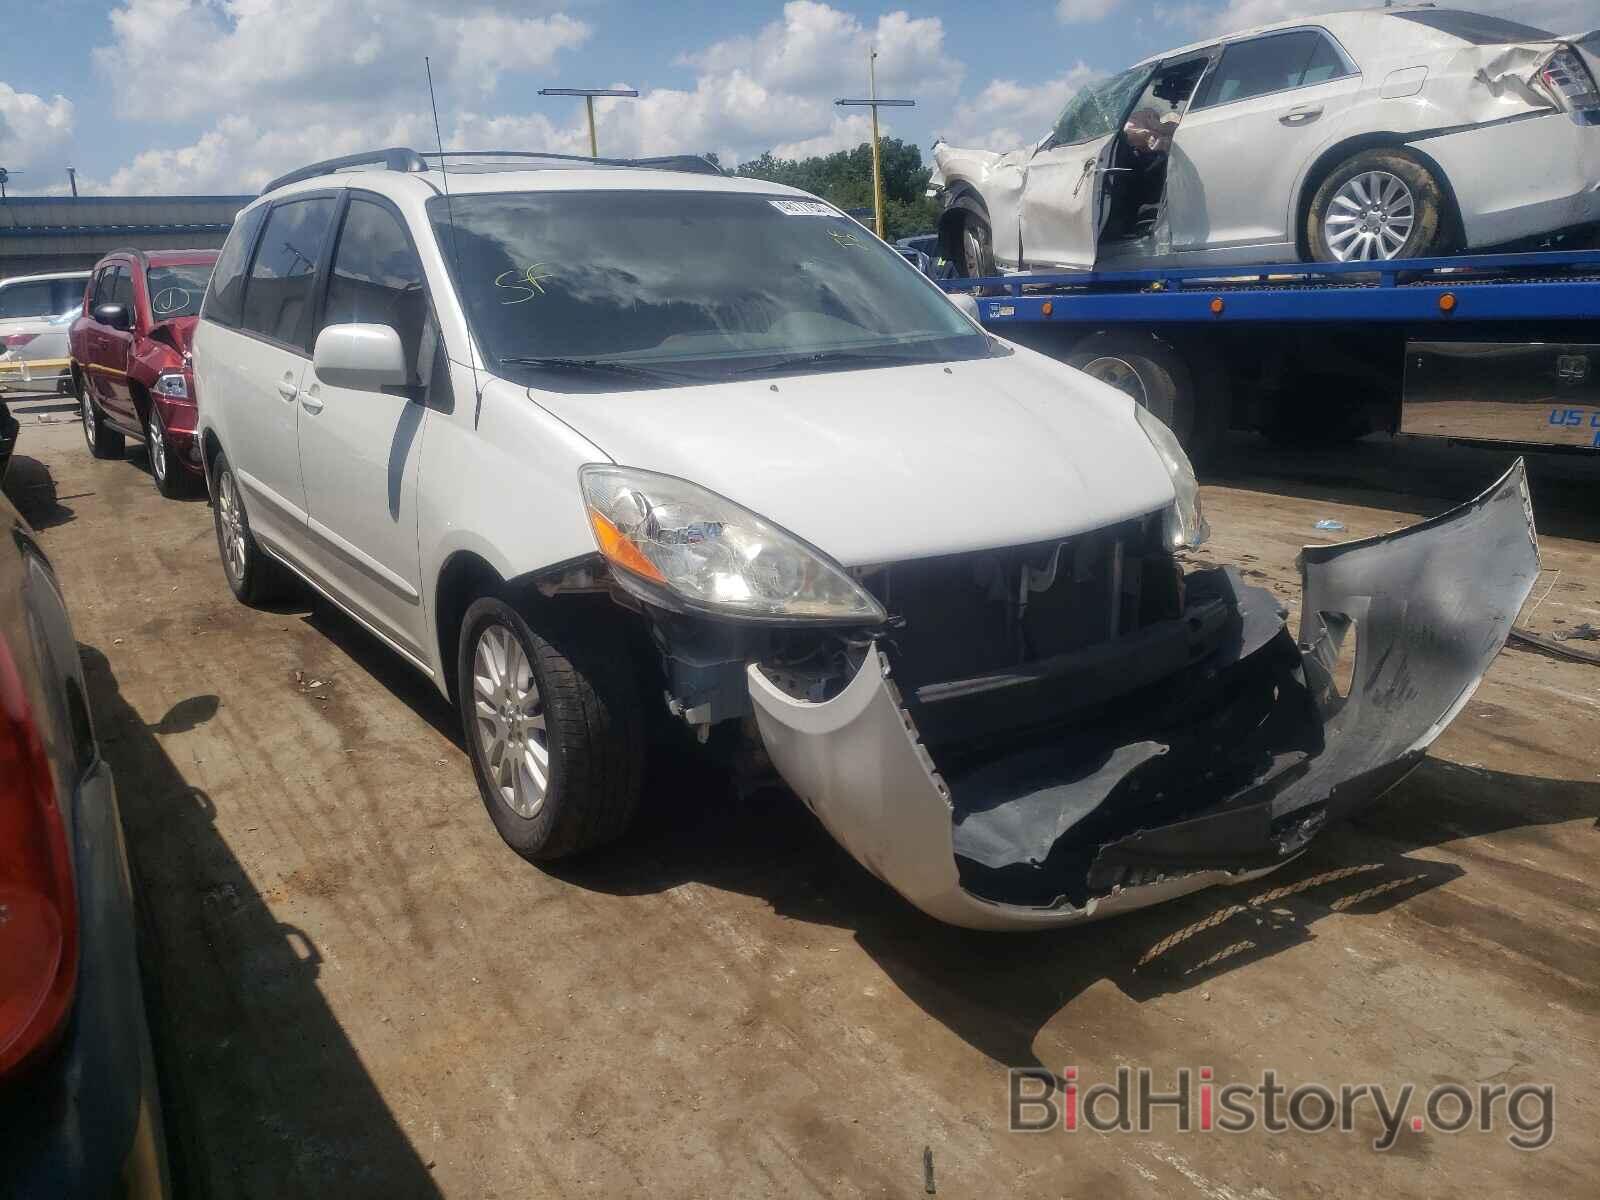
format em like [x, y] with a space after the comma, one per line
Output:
[216, 96]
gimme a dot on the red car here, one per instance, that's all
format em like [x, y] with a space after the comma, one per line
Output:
[130, 358]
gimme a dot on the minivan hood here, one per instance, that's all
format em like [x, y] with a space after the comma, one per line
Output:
[905, 462]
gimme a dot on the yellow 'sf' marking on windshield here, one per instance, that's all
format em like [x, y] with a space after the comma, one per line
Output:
[526, 282]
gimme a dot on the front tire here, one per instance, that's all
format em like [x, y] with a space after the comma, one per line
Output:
[102, 440]
[1375, 206]
[254, 578]
[169, 476]
[977, 247]
[554, 728]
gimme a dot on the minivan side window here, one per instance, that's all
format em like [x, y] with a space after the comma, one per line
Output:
[377, 280]
[224, 301]
[279, 290]
[1275, 63]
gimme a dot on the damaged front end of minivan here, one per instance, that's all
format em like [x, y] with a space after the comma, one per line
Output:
[1208, 746]
[1051, 733]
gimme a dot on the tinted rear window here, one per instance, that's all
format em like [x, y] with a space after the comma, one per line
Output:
[1475, 27]
[277, 296]
[225, 297]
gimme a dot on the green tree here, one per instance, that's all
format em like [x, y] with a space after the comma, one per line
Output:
[845, 178]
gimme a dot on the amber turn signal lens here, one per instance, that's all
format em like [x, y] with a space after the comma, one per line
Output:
[1447, 302]
[1216, 305]
[619, 551]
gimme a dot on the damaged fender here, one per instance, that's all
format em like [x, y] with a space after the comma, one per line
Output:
[1429, 608]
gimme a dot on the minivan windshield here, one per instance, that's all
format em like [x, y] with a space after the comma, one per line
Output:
[687, 285]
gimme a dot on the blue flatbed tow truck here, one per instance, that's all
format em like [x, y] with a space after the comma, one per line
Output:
[1501, 349]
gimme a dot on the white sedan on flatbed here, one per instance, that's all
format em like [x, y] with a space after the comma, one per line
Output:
[1376, 134]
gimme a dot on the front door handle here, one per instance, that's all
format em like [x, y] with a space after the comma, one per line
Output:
[1090, 165]
[311, 402]
[1300, 116]
[287, 389]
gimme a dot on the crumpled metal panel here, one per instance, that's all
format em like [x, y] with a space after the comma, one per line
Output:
[1431, 606]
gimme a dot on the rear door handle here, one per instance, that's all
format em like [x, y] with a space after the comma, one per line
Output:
[1300, 116]
[287, 389]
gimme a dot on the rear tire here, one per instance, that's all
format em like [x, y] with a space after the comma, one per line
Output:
[1158, 378]
[102, 440]
[1378, 205]
[561, 701]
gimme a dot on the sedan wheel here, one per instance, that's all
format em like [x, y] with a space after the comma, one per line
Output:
[1370, 217]
[509, 722]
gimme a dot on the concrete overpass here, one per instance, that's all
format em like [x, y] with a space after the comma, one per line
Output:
[64, 233]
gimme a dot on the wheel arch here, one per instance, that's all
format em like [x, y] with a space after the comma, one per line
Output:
[961, 198]
[464, 576]
[140, 395]
[1326, 162]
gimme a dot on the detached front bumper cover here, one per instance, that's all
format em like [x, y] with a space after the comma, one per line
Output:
[1428, 608]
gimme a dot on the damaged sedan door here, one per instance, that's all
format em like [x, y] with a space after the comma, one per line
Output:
[1064, 185]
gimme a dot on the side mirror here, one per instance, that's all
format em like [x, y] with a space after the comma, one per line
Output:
[114, 315]
[367, 358]
[967, 305]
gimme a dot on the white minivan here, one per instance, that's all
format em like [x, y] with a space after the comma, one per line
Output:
[607, 450]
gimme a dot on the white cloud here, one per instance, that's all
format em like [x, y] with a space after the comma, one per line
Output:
[246, 56]
[1084, 12]
[846, 133]
[302, 101]
[1007, 114]
[31, 127]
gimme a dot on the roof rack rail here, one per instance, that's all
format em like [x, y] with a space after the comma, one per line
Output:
[402, 158]
[395, 158]
[692, 163]
[142, 258]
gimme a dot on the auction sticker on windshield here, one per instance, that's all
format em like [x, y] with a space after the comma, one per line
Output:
[804, 208]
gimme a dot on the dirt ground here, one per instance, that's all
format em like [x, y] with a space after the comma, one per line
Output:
[359, 991]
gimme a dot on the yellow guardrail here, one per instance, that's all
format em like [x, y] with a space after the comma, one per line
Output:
[42, 372]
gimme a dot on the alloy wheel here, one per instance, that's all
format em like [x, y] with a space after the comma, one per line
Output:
[231, 527]
[157, 444]
[88, 415]
[1119, 373]
[1370, 217]
[509, 722]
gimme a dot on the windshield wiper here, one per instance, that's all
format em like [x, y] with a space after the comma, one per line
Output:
[825, 358]
[596, 365]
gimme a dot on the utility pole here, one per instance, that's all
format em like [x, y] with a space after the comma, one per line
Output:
[873, 102]
[588, 95]
[72, 178]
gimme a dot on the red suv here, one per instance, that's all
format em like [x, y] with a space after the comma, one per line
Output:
[130, 358]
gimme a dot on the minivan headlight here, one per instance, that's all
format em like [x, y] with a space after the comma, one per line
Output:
[660, 532]
[1186, 523]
